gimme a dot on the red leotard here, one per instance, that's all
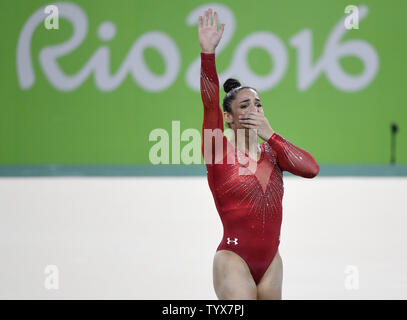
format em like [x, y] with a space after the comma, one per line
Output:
[249, 205]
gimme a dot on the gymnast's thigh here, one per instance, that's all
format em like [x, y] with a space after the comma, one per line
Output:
[232, 278]
[270, 285]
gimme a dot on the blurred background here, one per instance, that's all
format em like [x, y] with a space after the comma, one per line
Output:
[89, 209]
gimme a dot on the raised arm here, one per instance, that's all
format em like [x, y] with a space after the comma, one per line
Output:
[292, 158]
[213, 118]
[209, 38]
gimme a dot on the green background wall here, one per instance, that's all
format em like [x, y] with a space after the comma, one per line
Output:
[86, 125]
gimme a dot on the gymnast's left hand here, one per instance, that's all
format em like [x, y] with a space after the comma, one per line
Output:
[258, 122]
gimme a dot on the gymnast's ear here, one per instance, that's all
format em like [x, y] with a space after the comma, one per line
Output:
[228, 118]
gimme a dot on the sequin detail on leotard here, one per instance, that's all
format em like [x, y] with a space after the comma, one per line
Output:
[261, 191]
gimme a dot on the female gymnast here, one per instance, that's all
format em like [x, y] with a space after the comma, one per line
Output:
[247, 264]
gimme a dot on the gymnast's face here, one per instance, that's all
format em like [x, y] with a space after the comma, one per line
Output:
[247, 100]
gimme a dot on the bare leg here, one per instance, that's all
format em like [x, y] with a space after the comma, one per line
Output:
[270, 285]
[232, 278]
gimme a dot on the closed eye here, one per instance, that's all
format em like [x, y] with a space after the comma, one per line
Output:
[245, 106]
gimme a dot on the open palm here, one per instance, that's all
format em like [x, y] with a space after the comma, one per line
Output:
[209, 36]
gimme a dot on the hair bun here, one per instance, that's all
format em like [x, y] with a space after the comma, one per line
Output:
[230, 84]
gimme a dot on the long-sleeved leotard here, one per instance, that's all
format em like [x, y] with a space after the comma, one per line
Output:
[247, 193]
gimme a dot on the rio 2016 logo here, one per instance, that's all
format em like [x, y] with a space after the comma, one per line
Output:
[134, 63]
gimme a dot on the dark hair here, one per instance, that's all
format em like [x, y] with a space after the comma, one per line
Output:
[232, 87]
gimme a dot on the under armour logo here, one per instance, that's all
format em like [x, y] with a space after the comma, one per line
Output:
[234, 241]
